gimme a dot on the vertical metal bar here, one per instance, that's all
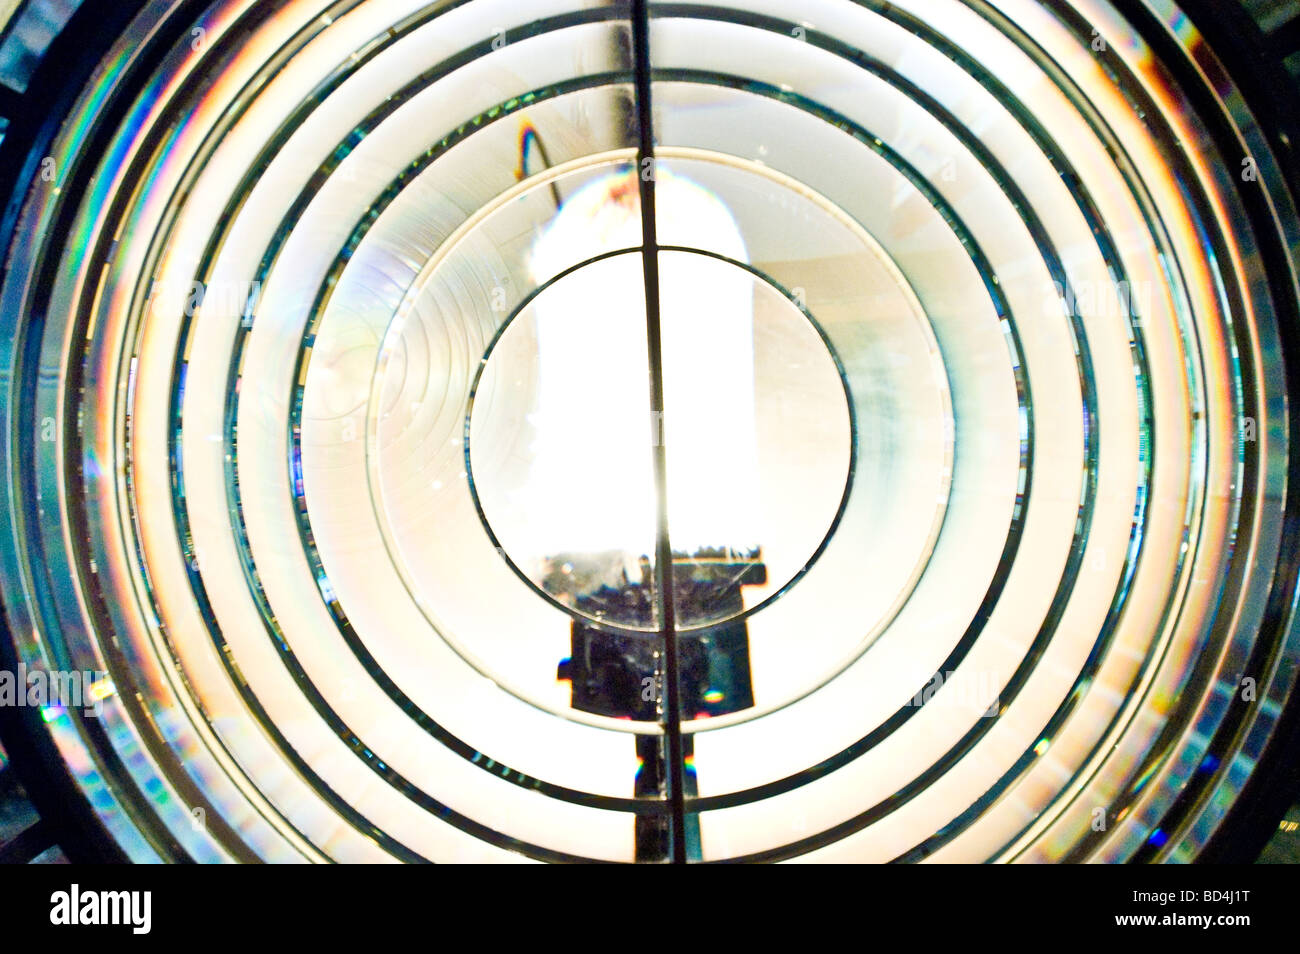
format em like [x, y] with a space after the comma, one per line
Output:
[676, 760]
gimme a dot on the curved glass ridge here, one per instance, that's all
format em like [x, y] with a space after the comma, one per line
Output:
[881, 455]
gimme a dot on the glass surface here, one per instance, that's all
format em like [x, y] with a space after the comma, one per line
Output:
[333, 380]
[755, 413]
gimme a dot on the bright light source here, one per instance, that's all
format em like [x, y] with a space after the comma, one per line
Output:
[593, 370]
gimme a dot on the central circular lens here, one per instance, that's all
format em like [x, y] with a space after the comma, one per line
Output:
[512, 447]
[756, 431]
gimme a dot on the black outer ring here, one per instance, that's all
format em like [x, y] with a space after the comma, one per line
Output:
[1235, 39]
[1274, 784]
[56, 84]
